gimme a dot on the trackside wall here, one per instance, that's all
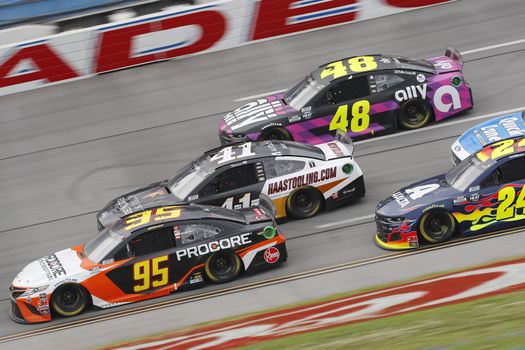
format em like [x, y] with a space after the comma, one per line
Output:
[190, 30]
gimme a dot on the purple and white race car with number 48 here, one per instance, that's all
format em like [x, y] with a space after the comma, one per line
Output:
[361, 95]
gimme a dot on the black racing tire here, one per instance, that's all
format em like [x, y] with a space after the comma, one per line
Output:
[70, 299]
[223, 267]
[437, 226]
[276, 133]
[304, 202]
[414, 114]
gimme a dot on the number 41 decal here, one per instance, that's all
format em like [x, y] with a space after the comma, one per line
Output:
[244, 202]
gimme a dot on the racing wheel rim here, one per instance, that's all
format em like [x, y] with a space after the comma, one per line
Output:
[223, 267]
[415, 114]
[304, 203]
[437, 226]
[69, 300]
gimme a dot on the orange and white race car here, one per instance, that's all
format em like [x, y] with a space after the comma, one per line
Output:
[148, 254]
[300, 179]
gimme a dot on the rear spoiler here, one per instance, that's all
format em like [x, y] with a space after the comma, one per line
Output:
[454, 55]
[343, 137]
[264, 211]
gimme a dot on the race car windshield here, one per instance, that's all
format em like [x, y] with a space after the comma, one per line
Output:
[188, 178]
[98, 247]
[302, 92]
[462, 175]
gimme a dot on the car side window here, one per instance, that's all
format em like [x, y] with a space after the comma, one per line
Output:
[152, 241]
[384, 82]
[196, 232]
[275, 168]
[493, 179]
[513, 170]
[348, 90]
[231, 179]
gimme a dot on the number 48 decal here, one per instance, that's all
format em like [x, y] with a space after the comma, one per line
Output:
[360, 117]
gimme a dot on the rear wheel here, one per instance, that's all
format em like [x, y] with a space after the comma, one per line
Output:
[304, 203]
[223, 267]
[276, 134]
[437, 226]
[414, 114]
[69, 300]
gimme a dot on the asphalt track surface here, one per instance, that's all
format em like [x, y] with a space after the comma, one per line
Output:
[65, 150]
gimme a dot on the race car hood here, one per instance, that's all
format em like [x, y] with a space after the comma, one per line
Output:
[257, 114]
[422, 193]
[491, 131]
[49, 269]
[153, 195]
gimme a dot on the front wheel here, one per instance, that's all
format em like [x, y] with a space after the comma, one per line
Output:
[304, 203]
[278, 133]
[69, 300]
[223, 267]
[437, 226]
[414, 114]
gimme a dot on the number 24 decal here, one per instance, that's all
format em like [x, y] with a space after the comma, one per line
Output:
[150, 273]
[360, 117]
[506, 196]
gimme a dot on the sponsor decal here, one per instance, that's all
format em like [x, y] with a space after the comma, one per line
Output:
[452, 93]
[271, 255]
[457, 148]
[473, 188]
[404, 72]
[460, 199]
[509, 124]
[253, 112]
[474, 197]
[196, 278]
[335, 195]
[348, 168]
[306, 112]
[420, 78]
[479, 137]
[433, 206]
[52, 266]
[194, 197]
[43, 305]
[215, 246]
[302, 180]
[413, 241]
[294, 118]
[400, 199]
[158, 192]
[335, 148]
[411, 92]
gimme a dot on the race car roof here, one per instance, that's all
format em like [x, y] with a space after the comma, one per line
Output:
[160, 215]
[383, 63]
[222, 156]
[502, 149]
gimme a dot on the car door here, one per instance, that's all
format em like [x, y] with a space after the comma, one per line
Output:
[153, 261]
[501, 191]
[346, 105]
[383, 87]
[233, 187]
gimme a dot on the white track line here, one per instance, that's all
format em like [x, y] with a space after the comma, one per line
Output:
[491, 47]
[466, 52]
[347, 221]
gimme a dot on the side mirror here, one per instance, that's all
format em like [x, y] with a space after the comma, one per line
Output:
[330, 97]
